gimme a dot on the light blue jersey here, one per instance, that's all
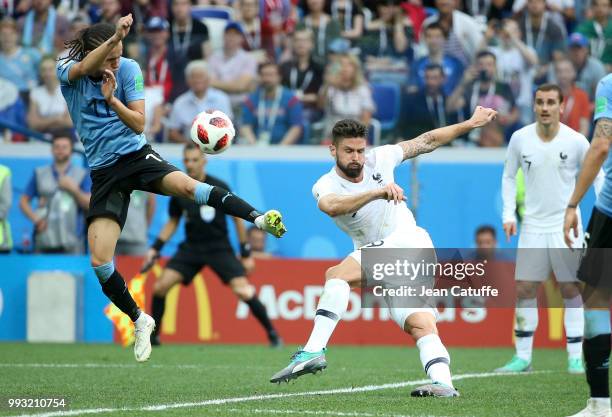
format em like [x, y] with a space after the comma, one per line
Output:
[103, 134]
[603, 109]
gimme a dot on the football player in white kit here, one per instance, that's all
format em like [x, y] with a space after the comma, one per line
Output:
[550, 155]
[360, 194]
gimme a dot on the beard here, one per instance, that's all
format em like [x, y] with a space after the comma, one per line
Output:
[351, 170]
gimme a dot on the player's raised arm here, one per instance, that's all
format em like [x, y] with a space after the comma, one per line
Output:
[594, 159]
[336, 205]
[433, 139]
[90, 61]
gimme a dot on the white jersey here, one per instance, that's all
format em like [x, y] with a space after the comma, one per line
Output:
[379, 218]
[550, 170]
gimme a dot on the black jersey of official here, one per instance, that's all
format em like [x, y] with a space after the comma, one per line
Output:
[205, 226]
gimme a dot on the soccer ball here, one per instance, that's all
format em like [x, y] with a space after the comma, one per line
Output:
[212, 131]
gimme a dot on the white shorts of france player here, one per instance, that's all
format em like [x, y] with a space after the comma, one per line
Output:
[415, 238]
[539, 254]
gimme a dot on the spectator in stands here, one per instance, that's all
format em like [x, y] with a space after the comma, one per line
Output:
[563, 12]
[346, 95]
[486, 242]
[6, 200]
[143, 10]
[516, 62]
[387, 38]
[199, 98]
[488, 10]
[43, 28]
[325, 29]
[63, 192]
[133, 240]
[303, 75]
[48, 110]
[189, 42]
[481, 87]
[542, 34]
[463, 32]
[257, 240]
[453, 68]
[272, 114]
[158, 73]
[349, 14]
[12, 110]
[278, 18]
[491, 136]
[255, 41]
[18, 64]
[589, 69]
[110, 11]
[425, 109]
[599, 31]
[576, 109]
[232, 69]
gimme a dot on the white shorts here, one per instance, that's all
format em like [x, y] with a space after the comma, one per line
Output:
[416, 238]
[539, 254]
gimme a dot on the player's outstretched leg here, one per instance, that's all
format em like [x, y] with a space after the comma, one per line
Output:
[574, 326]
[332, 305]
[246, 292]
[181, 185]
[526, 322]
[103, 234]
[421, 325]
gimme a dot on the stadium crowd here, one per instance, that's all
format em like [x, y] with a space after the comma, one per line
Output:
[286, 70]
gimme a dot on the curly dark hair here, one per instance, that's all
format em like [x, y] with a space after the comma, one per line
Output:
[87, 40]
[348, 128]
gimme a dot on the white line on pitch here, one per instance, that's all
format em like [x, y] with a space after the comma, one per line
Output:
[313, 412]
[121, 365]
[220, 401]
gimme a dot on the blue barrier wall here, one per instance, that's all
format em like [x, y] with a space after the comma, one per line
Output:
[13, 285]
[454, 199]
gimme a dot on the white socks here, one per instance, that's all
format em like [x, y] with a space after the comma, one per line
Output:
[332, 305]
[525, 325]
[435, 359]
[574, 326]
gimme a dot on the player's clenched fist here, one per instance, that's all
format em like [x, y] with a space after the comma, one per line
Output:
[393, 192]
[123, 26]
[482, 116]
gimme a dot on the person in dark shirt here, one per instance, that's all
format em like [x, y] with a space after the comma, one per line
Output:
[206, 243]
[188, 42]
[303, 75]
[425, 109]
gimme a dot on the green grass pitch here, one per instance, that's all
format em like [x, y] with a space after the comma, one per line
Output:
[214, 380]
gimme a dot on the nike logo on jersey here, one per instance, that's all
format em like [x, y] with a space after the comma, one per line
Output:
[563, 156]
[153, 156]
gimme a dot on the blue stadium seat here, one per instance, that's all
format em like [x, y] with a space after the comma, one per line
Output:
[212, 12]
[387, 99]
[215, 18]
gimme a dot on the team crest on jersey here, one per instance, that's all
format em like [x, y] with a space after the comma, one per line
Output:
[377, 177]
[563, 156]
[207, 213]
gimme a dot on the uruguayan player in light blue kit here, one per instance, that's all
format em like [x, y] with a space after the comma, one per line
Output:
[596, 266]
[105, 96]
